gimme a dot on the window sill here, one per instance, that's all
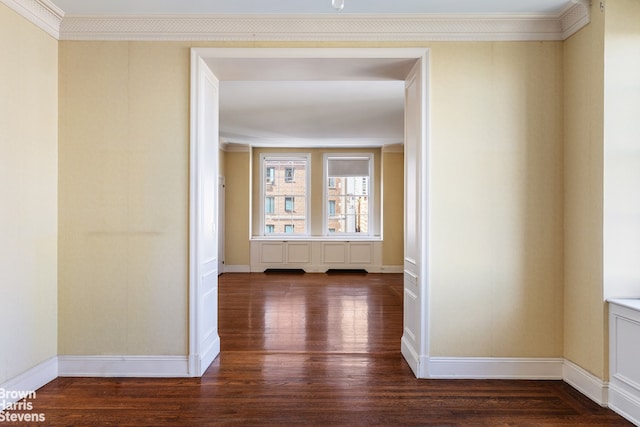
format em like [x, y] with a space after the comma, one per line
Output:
[349, 238]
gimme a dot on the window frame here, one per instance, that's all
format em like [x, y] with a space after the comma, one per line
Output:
[306, 232]
[372, 216]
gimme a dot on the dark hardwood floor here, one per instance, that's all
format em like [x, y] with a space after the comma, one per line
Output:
[319, 350]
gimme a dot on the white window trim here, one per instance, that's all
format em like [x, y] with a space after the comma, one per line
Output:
[307, 196]
[373, 215]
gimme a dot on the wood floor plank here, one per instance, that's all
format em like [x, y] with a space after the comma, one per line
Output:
[319, 350]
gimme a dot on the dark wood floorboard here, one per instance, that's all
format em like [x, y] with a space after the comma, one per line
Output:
[317, 350]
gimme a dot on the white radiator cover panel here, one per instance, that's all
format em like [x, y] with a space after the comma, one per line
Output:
[315, 256]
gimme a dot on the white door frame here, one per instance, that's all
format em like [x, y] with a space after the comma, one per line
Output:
[204, 342]
[416, 350]
[221, 222]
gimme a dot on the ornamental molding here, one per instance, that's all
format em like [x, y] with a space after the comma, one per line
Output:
[315, 28]
[312, 28]
[42, 13]
[577, 16]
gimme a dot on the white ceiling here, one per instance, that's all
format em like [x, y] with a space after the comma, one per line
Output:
[312, 102]
[129, 7]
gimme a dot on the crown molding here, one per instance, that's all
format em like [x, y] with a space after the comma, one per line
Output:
[319, 28]
[42, 13]
[230, 147]
[393, 148]
[575, 17]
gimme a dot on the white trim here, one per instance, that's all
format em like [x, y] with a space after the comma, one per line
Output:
[392, 269]
[411, 357]
[575, 17]
[124, 366]
[495, 368]
[624, 331]
[196, 64]
[237, 268]
[42, 13]
[393, 148]
[344, 27]
[354, 27]
[230, 147]
[201, 342]
[209, 354]
[624, 403]
[585, 382]
[31, 380]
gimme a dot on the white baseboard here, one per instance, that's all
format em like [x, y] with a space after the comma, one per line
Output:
[392, 269]
[585, 382]
[495, 368]
[624, 402]
[200, 363]
[236, 269]
[411, 356]
[123, 366]
[30, 381]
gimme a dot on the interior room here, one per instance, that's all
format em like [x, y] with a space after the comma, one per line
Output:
[502, 153]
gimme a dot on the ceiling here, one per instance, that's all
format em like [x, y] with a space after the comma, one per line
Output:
[304, 102]
[312, 102]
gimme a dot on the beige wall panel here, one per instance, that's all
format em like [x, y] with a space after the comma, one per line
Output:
[584, 315]
[496, 199]
[496, 195]
[237, 208]
[124, 132]
[393, 208]
[28, 194]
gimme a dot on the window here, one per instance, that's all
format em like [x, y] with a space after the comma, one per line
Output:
[289, 174]
[332, 208]
[348, 193]
[270, 175]
[285, 204]
[269, 205]
[288, 204]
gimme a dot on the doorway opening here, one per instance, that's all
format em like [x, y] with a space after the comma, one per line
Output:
[209, 66]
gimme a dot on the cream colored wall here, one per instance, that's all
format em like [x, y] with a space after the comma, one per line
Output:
[222, 163]
[28, 195]
[622, 150]
[123, 176]
[237, 208]
[496, 194]
[496, 197]
[584, 311]
[393, 208]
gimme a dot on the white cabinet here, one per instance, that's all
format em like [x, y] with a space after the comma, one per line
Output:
[316, 255]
